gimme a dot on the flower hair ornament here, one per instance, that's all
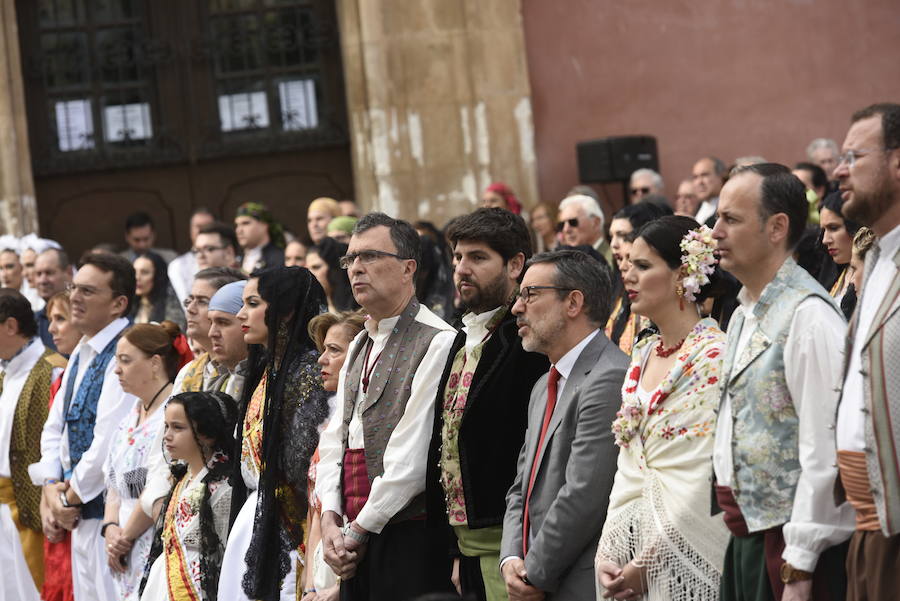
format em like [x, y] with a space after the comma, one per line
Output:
[698, 261]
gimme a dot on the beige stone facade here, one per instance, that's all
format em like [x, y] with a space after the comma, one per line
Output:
[439, 104]
[18, 208]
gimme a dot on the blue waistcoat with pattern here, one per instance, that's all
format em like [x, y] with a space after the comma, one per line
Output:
[765, 446]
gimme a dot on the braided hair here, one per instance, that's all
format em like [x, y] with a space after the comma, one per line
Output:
[212, 415]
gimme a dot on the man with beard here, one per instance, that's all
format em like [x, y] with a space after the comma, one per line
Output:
[482, 401]
[556, 507]
[868, 419]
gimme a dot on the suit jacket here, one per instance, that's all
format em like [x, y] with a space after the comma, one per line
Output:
[492, 429]
[881, 393]
[575, 475]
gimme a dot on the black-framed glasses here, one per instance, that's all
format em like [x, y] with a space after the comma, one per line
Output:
[573, 222]
[642, 190]
[366, 257]
[529, 292]
[205, 250]
[86, 291]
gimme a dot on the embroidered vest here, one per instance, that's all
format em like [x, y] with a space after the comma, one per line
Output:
[389, 389]
[193, 378]
[764, 423]
[80, 413]
[28, 422]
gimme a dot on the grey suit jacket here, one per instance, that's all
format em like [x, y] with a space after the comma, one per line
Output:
[574, 478]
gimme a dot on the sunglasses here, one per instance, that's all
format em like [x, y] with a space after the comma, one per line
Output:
[573, 222]
[644, 190]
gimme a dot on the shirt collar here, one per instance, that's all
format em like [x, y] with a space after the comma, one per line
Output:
[567, 362]
[383, 328]
[890, 243]
[20, 355]
[102, 338]
[476, 320]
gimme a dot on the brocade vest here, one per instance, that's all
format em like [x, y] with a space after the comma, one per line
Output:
[28, 422]
[389, 389]
[765, 426]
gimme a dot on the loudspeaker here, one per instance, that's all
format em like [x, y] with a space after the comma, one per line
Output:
[614, 159]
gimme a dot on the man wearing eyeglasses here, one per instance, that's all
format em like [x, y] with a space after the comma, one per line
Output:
[216, 246]
[86, 411]
[868, 417]
[644, 182]
[482, 401]
[556, 507]
[581, 222]
[373, 452]
[183, 267]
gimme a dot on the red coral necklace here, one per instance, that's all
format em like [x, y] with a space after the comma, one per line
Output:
[664, 352]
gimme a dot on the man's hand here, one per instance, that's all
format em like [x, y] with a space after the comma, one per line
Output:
[354, 546]
[67, 517]
[454, 576]
[798, 591]
[515, 576]
[341, 560]
[610, 577]
[52, 530]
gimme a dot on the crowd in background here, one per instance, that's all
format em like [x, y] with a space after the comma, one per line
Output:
[666, 402]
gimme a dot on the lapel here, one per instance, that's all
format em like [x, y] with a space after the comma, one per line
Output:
[397, 343]
[586, 362]
[495, 350]
[889, 304]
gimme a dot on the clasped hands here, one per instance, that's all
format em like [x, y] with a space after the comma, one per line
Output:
[118, 546]
[342, 553]
[54, 516]
[620, 583]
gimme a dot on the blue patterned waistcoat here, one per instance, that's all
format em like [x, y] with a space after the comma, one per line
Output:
[765, 446]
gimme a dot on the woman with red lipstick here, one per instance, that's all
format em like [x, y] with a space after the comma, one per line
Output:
[283, 406]
[837, 238]
[332, 334]
[659, 540]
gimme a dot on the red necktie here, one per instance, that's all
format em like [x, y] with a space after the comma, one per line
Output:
[548, 413]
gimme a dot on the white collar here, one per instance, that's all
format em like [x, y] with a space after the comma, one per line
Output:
[27, 355]
[383, 328]
[476, 320]
[99, 341]
[567, 362]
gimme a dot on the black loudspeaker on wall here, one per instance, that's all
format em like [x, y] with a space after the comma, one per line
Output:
[614, 159]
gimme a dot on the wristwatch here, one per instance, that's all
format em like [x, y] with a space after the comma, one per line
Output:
[790, 574]
[360, 538]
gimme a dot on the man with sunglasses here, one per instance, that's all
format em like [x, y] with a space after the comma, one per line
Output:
[581, 223]
[482, 402]
[373, 452]
[556, 507]
[645, 182]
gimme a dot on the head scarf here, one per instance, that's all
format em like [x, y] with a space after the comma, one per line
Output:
[342, 224]
[512, 203]
[259, 212]
[228, 298]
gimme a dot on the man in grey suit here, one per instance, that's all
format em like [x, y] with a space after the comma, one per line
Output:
[556, 506]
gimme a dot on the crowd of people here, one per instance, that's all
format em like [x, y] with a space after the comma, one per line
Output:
[665, 405]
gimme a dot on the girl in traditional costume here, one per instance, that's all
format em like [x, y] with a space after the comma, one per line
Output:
[187, 552]
[283, 406]
[659, 539]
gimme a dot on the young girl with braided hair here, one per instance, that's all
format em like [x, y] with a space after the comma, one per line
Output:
[186, 556]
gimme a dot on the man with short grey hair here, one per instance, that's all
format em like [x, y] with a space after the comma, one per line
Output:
[52, 273]
[708, 175]
[556, 507]
[645, 182]
[581, 222]
[823, 152]
[371, 476]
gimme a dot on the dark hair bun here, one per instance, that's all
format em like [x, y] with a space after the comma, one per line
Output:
[171, 329]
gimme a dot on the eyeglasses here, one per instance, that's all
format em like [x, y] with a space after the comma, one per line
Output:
[529, 292]
[644, 190]
[366, 257]
[85, 291]
[573, 222]
[205, 250]
[850, 156]
[201, 300]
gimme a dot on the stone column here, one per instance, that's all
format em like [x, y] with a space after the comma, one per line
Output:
[18, 209]
[439, 104]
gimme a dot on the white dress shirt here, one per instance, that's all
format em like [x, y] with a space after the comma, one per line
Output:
[812, 368]
[252, 256]
[851, 419]
[707, 210]
[406, 452]
[475, 327]
[17, 370]
[181, 274]
[114, 404]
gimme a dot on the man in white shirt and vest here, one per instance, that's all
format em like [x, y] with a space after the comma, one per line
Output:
[774, 456]
[86, 411]
[371, 477]
[27, 370]
[868, 419]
